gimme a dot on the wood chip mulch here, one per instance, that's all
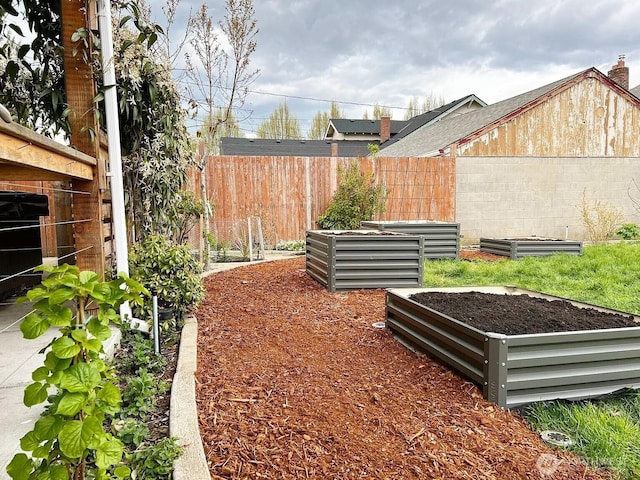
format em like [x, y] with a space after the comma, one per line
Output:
[475, 254]
[295, 382]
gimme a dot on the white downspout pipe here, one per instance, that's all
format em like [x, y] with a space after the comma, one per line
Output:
[113, 136]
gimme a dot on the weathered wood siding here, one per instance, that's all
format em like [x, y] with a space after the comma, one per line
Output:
[289, 193]
[589, 119]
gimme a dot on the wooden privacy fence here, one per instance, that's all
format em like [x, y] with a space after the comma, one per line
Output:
[289, 193]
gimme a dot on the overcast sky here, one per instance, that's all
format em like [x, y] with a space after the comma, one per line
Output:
[387, 51]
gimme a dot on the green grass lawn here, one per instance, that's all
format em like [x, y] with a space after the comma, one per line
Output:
[606, 433]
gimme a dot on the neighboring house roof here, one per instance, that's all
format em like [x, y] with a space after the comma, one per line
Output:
[347, 127]
[299, 148]
[636, 91]
[433, 139]
[432, 116]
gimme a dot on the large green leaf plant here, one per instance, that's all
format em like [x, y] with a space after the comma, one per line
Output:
[70, 440]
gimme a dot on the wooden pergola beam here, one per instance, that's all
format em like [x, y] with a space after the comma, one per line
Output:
[14, 173]
[45, 158]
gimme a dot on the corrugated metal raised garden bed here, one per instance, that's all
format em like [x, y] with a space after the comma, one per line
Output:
[440, 239]
[517, 369]
[529, 246]
[355, 259]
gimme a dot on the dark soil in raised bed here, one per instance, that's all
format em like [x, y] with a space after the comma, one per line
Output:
[520, 314]
[373, 233]
[532, 239]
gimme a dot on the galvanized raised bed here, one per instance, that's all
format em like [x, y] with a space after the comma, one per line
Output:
[529, 246]
[349, 260]
[440, 239]
[515, 370]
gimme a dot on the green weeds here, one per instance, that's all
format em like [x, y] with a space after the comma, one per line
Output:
[291, 245]
[149, 452]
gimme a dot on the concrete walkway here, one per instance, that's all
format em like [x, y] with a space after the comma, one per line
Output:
[20, 357]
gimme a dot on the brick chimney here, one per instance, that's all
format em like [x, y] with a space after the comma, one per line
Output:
[385, 129]
[619, 73]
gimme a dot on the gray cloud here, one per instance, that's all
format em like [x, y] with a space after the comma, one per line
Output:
[379, 51]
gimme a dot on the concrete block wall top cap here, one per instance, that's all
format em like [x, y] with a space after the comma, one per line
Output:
[4, 114]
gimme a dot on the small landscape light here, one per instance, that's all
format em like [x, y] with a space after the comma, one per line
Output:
[558, 439]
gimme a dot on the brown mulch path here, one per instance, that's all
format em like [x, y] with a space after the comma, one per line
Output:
[295, 382]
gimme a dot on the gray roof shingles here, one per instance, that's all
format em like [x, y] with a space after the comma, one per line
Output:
[296, 148]
[359, 126]
[418, 121]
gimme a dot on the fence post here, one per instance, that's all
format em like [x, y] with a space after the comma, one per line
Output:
[81, 89]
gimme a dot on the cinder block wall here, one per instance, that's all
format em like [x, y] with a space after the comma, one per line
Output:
[525, 196]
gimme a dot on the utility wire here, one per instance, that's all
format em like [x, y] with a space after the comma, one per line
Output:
[300, 97]
[76, 252]
[28, 270]
[38, 225]
[313, 99]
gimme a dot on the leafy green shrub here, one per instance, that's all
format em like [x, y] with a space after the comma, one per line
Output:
[149, 452]
[628, 231]
[137, 350]
[131, 431]
[219, 248]
[184, 214]
[358, 198]
[169, 269]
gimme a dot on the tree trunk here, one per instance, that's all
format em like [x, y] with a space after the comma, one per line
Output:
[206, 250]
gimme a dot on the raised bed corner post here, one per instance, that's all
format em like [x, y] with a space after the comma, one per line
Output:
[494, 385]
[331, 272]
